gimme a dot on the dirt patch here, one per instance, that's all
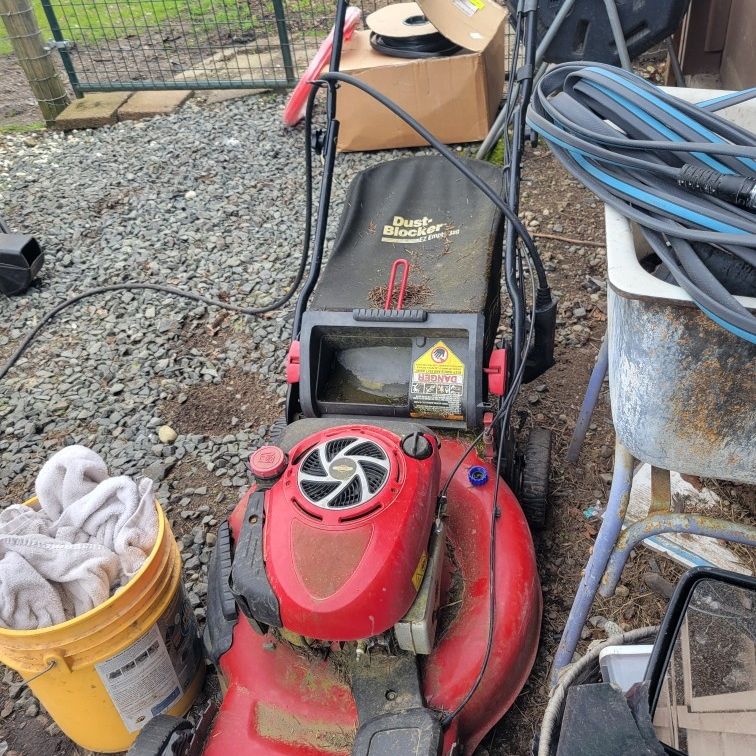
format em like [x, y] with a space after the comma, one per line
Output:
[277, 724]
[18, 107]
[209, 408]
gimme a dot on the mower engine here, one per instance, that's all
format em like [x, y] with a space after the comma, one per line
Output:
[349, 596]
[335, 540]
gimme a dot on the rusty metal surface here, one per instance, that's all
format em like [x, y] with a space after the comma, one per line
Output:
[683, 390]
[670, 523]
[661, 490]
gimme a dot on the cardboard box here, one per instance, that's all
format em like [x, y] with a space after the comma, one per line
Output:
[454, 97]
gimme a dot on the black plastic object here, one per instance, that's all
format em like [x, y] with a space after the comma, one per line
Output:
[541, 355]
[425, 46]
[736, 275]
[417, 732]
[417, 446]
[21, 258]
[597, 721]
[739, 190]
[391, 710]
[249, 581]
[360, 359]
[222, 612]
[585, 34]
[417, 208]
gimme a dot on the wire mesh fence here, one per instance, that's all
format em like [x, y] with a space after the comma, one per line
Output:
[112, 45]
[109, 45]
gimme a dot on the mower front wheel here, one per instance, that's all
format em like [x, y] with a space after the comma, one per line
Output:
[163, 735]
[534, 486]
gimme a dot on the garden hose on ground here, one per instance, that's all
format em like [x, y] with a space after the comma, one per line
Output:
[684, 174]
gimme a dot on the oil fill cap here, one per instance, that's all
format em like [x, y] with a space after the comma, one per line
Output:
[417, 446]
[267, 462]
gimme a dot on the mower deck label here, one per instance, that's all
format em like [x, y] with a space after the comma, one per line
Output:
[153, 673]
[403, 230]
[438, 384]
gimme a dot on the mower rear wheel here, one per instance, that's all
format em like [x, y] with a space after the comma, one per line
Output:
[534, 488]
[163, 735]
[276, 430]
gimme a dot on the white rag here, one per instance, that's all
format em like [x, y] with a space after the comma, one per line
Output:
[87, 537]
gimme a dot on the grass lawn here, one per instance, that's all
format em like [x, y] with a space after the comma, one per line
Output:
[93, 20]
[22, 128]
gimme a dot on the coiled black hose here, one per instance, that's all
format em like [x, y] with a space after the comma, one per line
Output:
[422, 46]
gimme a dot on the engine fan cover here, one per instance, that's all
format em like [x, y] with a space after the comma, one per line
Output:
[346, 532]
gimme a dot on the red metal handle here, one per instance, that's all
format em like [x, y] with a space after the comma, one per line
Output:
[392, 283]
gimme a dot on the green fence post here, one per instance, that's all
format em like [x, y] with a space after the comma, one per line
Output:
[63, 45]
[283, 40]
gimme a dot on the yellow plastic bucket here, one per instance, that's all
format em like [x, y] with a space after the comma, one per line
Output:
[103, 675]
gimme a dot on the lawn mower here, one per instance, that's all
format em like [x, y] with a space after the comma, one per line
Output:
[375, 591]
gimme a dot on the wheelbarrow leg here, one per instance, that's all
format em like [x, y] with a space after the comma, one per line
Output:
[619, 497]
[590, 400]
[670, 522]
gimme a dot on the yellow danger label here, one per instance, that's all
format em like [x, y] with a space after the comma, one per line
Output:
[438, 383]
[417, 578]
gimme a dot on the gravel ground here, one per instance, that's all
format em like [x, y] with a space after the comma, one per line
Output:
[211, 204]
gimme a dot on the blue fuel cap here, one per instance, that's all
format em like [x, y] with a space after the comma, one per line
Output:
[477, 475]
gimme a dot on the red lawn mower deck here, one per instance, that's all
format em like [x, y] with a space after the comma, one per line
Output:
[288, 693]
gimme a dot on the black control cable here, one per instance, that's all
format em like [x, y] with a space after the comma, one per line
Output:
[134, 286]
[501, 418]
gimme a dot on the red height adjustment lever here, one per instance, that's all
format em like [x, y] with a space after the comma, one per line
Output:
[292, 363]
[497, 372]
[392, 283]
